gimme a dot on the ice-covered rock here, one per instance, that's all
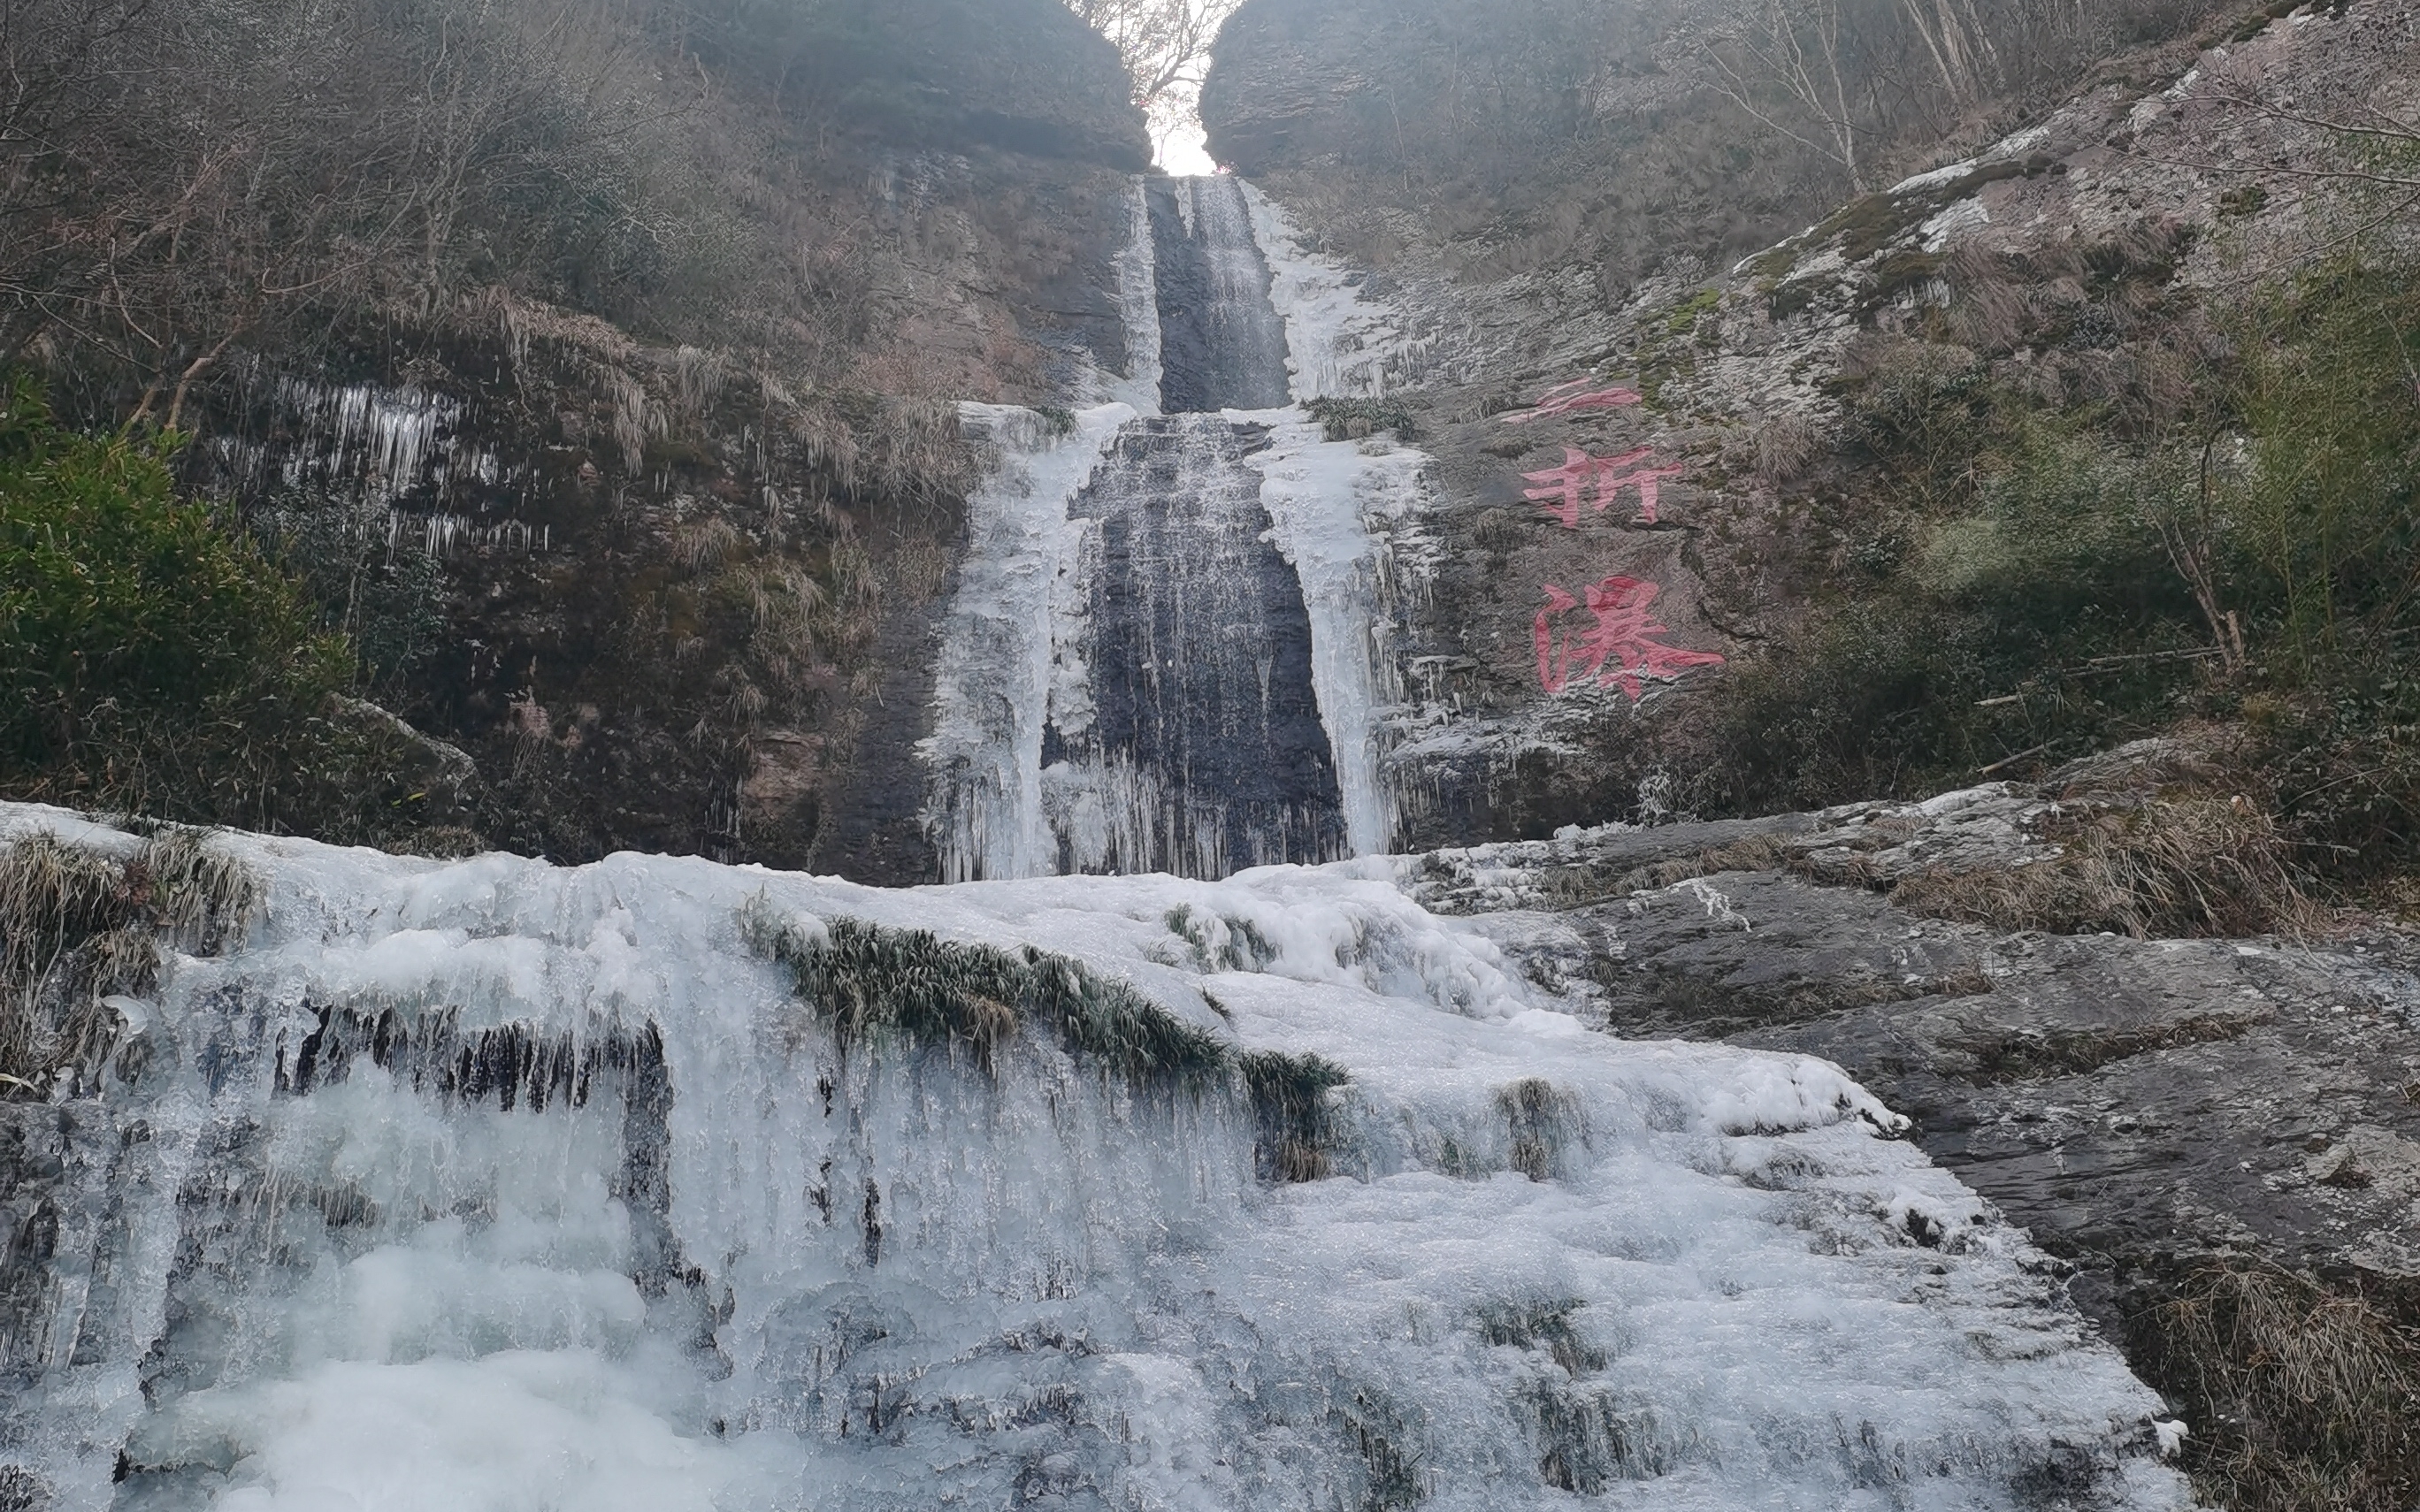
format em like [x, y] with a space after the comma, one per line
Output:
[494, 1185]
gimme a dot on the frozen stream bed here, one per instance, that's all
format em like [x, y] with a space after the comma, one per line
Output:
[493, 1184]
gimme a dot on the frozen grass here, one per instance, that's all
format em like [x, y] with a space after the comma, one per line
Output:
[1540, 1118]
[1542, 1325]
[1289, 1108]
[1353, 419]
[80, 925]
[867, 983]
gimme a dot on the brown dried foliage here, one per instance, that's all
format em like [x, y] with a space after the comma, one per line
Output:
[2301, 1397]
[2198, 868]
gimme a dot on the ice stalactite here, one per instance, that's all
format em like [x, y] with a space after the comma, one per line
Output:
[992, 684]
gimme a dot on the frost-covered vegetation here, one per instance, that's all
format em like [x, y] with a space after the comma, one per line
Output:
[81, 924]
[867, 983]
[2221, 526]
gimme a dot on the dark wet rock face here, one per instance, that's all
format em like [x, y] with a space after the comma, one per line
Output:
[1200, 748]
[1222, 344]
[1021, 75]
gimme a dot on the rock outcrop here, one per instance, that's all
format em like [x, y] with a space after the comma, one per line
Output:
[1018, 75]
[2152, 1111]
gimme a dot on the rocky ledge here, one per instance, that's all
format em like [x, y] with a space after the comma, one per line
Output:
[2155, 1111]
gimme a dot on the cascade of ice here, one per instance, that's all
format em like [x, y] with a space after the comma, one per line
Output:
[1338, 342]
[490, 1185]
[1323, 499]
[1183, 733]
[1192, 627]
[992, 683]
[1138, 304]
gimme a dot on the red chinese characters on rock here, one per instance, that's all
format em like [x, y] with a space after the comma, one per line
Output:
[1560, 489]
[1620, 650]
[1565, 398]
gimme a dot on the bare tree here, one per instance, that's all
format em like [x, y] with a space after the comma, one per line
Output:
[1166, 45]
[1784, 63]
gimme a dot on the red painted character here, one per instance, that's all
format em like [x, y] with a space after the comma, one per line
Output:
[1560, 492]
[1649, 481]
[1621, 649]
[1568, 397]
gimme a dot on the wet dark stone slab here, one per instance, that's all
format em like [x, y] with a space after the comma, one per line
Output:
[2138, 1106]
[1197, 650]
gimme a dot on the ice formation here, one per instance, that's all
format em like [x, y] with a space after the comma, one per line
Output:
[992, 681]
[1169, 650]
[1339, 344]
[495, 1185]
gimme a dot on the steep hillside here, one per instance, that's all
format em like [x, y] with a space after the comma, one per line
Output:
[595, 366]
[1547, 134]
[1853, 418]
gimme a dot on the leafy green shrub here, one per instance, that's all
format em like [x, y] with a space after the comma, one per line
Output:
[2327, 511]
[2015, 600]
[2035, 579]
[114, 591]
[152, 661]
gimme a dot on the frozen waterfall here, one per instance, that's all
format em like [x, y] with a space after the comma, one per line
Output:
[1166, 653]
[489, 1186]
[1217, 1187]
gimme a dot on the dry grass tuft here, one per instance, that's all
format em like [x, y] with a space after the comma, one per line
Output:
[1290, 1107]
[2187, 869]
[868, 984]
[78, 926]
[2301, 1399]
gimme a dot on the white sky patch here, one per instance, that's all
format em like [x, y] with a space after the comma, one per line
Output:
[1183, 148]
